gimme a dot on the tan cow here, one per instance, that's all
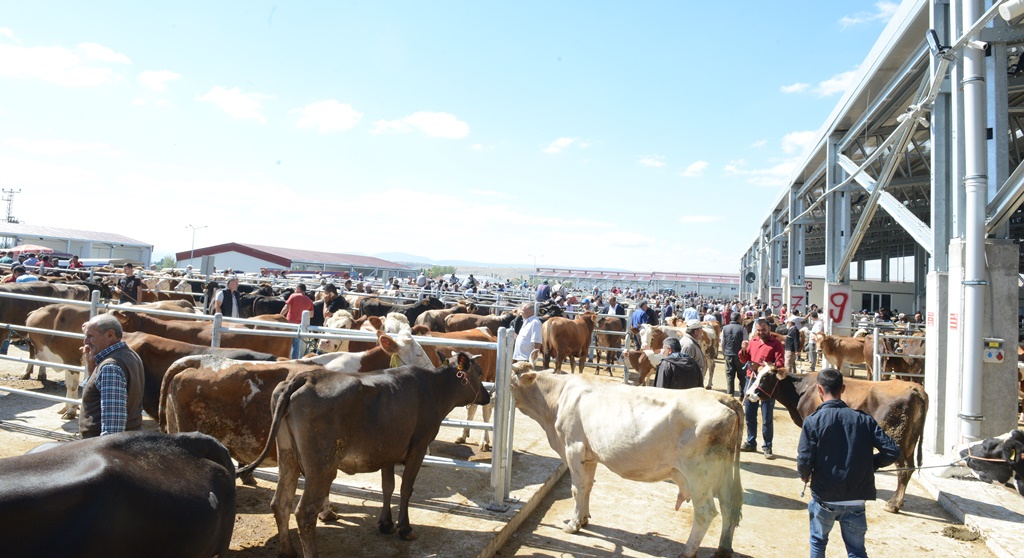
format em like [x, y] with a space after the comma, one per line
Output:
[568, 338]
[841, 350]
[644, 434]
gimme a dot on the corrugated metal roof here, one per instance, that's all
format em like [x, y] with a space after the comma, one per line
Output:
[289, 256]
[29, 232]
[638, 276]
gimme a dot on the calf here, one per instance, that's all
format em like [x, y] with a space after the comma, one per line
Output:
[609, 342]
[126, 495]
[899, 408]
[568, 338]
[325, 421]
[645, 434]
[841, 350]
[998, 459]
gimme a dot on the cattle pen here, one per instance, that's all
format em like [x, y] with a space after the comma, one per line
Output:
[503, 419]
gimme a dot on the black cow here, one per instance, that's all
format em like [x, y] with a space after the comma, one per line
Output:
[373, 306]
[124, 495]
[359, 423]
[998, 459]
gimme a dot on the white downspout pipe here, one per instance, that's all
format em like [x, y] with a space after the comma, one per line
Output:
[976, 189]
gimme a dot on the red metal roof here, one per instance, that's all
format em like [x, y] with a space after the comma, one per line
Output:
[287, 256]
[638, 276]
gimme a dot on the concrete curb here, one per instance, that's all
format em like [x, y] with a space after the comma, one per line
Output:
[996, 512]
[513, 524]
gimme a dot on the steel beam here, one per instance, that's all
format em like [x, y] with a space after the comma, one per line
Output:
[917, 229]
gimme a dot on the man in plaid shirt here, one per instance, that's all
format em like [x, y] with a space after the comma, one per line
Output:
[112, 395]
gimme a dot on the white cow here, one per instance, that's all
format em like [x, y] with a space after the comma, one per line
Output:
[402, 349]
[645, 434]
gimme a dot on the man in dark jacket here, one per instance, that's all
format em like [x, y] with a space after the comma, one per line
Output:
[733, 336]
[792, 344]
[837, 455]
[677, 370]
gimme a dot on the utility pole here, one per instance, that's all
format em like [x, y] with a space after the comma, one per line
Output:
[9, 198]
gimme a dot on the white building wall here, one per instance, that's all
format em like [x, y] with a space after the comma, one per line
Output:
[235, 260]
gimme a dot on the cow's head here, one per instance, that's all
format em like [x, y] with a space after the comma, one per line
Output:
[997, 459]
[468, 370]
[765, 383]
[130, 321]
[404, 350]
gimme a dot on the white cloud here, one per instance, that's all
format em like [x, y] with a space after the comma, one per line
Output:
[433, 124]
[559, 144]
[695, 169]
[243, 106]
[797, 142]
[56, 65]
[883, 13]
[327, 116]
[795, 88]
[481, 147]
[102, 53]
[7, 32]
[490, 194]
[699, 219]
[656, 161]
[774, 176]
[759, 143]
[838, 83]
[59, 147]
[157, 80]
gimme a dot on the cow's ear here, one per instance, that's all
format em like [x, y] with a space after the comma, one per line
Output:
[387, 343]
[1012, 450]
[527, 378]
[464, 361]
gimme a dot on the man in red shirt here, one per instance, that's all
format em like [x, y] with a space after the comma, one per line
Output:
[292, 311]
[761, 350]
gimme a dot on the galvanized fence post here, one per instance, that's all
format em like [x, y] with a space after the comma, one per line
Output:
[510, 409]
[94, 304]
[218, 318]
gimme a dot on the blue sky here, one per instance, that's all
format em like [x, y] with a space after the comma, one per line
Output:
[644, 136]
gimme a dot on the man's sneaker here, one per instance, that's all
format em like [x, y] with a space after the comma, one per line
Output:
[748, 447]
[768, 453]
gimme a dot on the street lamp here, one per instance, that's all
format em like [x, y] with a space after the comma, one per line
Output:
[534, 260]
[192, 255]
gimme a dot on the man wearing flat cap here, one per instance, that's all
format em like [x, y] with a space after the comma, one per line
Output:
[690, 344]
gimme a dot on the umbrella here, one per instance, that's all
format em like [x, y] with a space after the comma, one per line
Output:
[31, 249]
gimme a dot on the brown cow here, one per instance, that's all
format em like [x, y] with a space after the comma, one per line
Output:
[321, 425]
[610, 341]
[463, 322]
[841, 350]
[434, 319]
[201, 333]
[641, 362]
[568, 338]
[488, 365]
[899, 408]
[230, 399]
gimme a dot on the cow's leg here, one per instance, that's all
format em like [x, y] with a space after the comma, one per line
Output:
[71, 380]
[559, 359]
[895, 503]
[572, 364]
[311, 503]
[470, 414]
[485, 439]
[284, 496]
[412, 468]
[703, 512]
[247, 479]
[582, 473]
[387, 487]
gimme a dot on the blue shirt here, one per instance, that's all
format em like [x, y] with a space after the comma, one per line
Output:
[26, 278]
[639, 318]
[113, 393]
[691, 313]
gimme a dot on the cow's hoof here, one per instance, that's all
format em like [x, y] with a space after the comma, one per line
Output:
[386, 527]
[892, 508]
[485, 447]
[723, 553]
[460, 440]
[407, 534]
[573, 526]
[327, 516]
[70, 415]
[26, 376]
[248, 479]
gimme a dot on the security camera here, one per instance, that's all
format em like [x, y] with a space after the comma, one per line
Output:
[980, 45]
[1011, 9]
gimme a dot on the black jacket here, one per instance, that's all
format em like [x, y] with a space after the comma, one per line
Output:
[793, 340]
[620, 310]
[836, 451]
[679, 371]
[732, 339]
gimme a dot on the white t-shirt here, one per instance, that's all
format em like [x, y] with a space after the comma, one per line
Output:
[528, 335]
[220, 300]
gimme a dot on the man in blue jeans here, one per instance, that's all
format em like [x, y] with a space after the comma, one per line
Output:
[837, 454]
[762, 350]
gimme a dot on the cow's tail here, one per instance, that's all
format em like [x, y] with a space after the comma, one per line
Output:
[920, 434]
[282, 398]
[730, 496]
[176, 367]
[547, 350]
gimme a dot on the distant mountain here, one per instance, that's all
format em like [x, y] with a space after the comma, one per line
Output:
[404, 258]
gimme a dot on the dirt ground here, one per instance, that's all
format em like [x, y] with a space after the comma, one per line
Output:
[629, 518]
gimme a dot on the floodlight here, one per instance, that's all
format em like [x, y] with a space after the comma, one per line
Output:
[1011, 9]
[933, 42]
